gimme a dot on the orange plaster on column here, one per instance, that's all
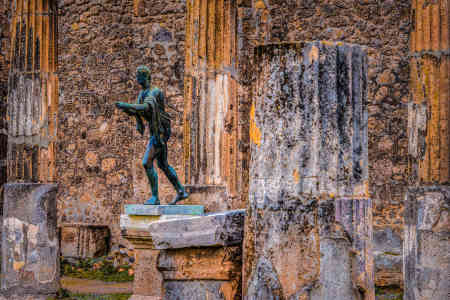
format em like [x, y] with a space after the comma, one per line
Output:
[255, 132]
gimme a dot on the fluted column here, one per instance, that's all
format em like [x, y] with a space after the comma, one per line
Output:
[32, 91]
[309, 224]
[430, 83]
[425, 246]
[211, 116]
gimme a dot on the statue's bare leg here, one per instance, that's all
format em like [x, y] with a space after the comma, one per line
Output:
[171, 175]
[150, 154]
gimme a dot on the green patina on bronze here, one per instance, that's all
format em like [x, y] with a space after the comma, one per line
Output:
[150, 107]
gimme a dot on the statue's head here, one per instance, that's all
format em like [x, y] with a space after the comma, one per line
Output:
[143, 76]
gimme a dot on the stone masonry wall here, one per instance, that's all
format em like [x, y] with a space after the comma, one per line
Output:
[99, 156]
[382, 26]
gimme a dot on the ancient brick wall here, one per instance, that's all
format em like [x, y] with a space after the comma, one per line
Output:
[99, 156]
[382, 26]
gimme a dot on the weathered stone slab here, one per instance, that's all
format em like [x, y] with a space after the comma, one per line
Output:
[129, 222]
[158, 210]
[30, 248]
[221, 229]
[84, 240]
[426, 250]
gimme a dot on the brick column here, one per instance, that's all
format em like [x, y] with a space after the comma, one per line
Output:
[32, 92]
[309, 224]
[425, 249]
[211, 115]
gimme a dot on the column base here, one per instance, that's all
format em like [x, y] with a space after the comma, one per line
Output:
[425, 246]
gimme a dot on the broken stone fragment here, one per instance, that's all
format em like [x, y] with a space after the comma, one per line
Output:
[220, 229]
[30, 246]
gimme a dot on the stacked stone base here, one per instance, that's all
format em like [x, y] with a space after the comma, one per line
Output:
[185, 255]
[426, 250]
[324, 246]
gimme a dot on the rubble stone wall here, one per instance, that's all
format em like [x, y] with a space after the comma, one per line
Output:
[100, 153]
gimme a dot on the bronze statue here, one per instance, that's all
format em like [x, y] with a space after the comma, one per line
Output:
[150, 107]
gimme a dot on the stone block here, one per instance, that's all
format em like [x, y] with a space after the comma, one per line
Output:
[426, 250]
[84, 240]
[212, 263]
[148, 281]
[134, 226]
[387, 252]
[129, 223]
[30, 248]
[159, 210]
[220, 229]
[197, 290]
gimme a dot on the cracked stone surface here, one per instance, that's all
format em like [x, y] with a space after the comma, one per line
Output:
[30, 247]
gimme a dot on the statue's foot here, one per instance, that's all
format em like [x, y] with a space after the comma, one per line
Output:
[180, 196]
[152, 201]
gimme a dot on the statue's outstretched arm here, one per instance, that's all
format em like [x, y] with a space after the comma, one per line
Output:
[132, 108]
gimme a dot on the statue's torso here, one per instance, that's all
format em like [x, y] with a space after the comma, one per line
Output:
[156, 95]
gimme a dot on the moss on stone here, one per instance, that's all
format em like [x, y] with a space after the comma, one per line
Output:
[97, 269]
[388, 293]
[94, 297]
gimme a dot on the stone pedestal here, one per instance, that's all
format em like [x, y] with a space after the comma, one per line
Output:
[426, 248]
[183, 254]
[30, 248]
[309, 225]
[84, 240]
